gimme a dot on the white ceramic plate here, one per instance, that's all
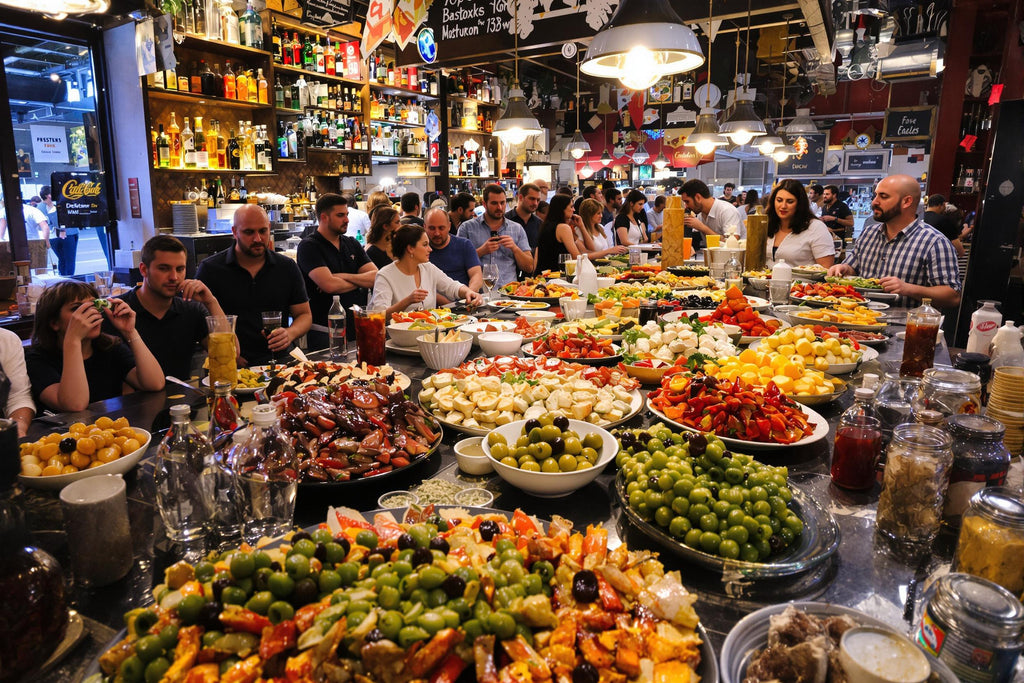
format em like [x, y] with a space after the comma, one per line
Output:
[797, 318]
[750, 634]
[246, 391]
[519, 305]
[879, 294]
[476, 329]
[876, 306]
[390, 345]
[819, 423]
[122, 465]
[607, 360]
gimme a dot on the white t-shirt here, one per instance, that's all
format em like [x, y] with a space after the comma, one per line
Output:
[724, 219]
[600, 242]
[33, 218]
[805, 248]
[358, 222]
[12, 360]
[392, 285]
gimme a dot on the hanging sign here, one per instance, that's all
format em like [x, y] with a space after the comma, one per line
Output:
[378, 25]
[873, 162]
[811, 163]
[909, 123]
[81, 199]
[324, 12]
[408, 16]
[49, 144]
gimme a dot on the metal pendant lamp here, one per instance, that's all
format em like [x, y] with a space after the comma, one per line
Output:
[705, 136]
[578, 146]
[642, 42]
[661, 161]
[587, 170]
[640, 156]
[743, 125]
[606, 158]
[802, 124]
[768, 142]
[517, 122]
[60, 9]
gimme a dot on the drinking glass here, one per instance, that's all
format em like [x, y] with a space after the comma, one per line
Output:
[221, 349]
[712, 241]
[271, 321]
[687, 248]
[490, 278]
[779, 291]
[563, 261]
[370, 335]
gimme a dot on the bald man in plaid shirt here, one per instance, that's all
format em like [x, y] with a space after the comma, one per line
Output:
[911, 258]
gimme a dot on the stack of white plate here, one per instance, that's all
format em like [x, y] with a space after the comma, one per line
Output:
[184, 219]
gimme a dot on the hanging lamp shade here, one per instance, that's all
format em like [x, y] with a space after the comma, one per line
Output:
[640, 156]
[661, 162]
[767, 143]
[518, 122]
[743, 125]
[587, 170]
[705, 136]
[578, 146]
[643, 41]
[606, 158]
[802, 124]
[59, 9]
[783, 151]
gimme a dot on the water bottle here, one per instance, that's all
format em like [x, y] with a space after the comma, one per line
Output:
[266, 477]
[1006, 347]
[984, 324]
[184, 493]
[226, 519]
[586, 275]
[336, 330]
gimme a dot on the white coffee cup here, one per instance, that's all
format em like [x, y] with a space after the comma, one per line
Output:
[96, 522]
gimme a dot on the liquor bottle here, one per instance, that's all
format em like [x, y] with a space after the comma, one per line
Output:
[184, 81]
[184, 493]
[202, 156]
[188, 146]
[216, 81]
[229, 24]
[218, 194]
[222, 149]
[153, 147]
[275, 42]
[382, 71]
[252, 93]
[174, 139]
[263, 152]
[282, 141]
[230, 82]
[242, 85]
[391, 74]
[336, 339]
[163, 149]
[287, 97]
[371, 67]
[308, 58]
[195, 81]
[296, 50]
[234, 152]
[233, 192]
[278, 93]
[290, 137]
[199, 17]
[330, 59]
[294, 88]
[251, 27]
[171, 79]
[318, 56]
[286, 50]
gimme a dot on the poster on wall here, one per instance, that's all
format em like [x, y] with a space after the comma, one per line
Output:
[81, 199]
[49, 144]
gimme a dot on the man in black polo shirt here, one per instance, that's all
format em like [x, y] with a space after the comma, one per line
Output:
[334, 264]
[835, 213]
[248, 279]
[525, 214]
[170, 325]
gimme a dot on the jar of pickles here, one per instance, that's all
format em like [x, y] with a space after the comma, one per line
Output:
[980, 460]
[991, 543]
[918, 461]
[948, 391]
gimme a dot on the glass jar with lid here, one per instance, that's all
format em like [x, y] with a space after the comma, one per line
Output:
[918, 461]
[974, 626]
[948, 391]
[892, 402]
[991, 543]
[980, 460]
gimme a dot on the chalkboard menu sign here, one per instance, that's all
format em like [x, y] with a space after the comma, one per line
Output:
[811, 164]
[909, 124]
[868, 162]
[81, 199]
[324, 12]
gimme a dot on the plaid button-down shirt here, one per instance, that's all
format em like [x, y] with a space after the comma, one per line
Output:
[919, 255]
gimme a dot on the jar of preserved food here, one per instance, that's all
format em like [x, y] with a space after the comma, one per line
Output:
[974, 626]
[991, 543]
[948, 391]
[978, 364]
[980, 459]
[892, 402]
[918, 461]
[921, 337]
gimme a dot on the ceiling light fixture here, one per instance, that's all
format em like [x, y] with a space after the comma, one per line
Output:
[802, 124]
[578, 146]
[587, 170]
[661, 162]
[60, 9]
[705, 136]
[517, 122]
[606, 158]
[767, 144]
[642, 42]
[640, 156]
[743, 125]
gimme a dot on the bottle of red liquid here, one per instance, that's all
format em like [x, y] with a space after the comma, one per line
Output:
[922, 334]
[858, 444]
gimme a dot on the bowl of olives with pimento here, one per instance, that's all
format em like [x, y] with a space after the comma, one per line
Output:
[550, 456]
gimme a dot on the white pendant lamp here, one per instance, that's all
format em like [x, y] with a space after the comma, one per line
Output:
[802, 124]
[517, 122]
[642, 42]
[578, 146]
[640, 156]
[743, 125]
[768, 142]
[587, 170]
[783, 152]
[661, 162]
[60, 9]
[705, 136]
[606, 158]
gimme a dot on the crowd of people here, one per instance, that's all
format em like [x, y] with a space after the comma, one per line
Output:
[85, 349]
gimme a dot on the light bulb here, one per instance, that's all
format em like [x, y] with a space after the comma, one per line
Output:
[705, 147]
[640, 69]
[766, 147]
[780, 155]
[586, 171]
[741, 137]
[513, 136]
[576, 153]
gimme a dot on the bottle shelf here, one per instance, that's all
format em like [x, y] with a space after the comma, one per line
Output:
[336, 150]
[474, 177]
[469, 131]
[314, 75]
[396, 124]
[405, 92]
[385, 158]
[195, 98]
[294, 24]
[479, 103]
[194, 42]
[208, 171]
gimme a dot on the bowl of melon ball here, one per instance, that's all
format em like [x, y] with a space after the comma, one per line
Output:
[550, 456]
[106, 446]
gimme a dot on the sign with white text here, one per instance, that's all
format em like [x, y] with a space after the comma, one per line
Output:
[81, 199]
[49, 144]
[909, 123]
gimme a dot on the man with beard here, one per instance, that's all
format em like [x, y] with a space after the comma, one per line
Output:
[911, 258]
[497, 239]
[461, 209]
[171, 325]
[454, 255]
[248, 279]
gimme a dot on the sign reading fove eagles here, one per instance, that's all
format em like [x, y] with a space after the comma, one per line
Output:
[908, 123]
[469, 28]
[81, 199]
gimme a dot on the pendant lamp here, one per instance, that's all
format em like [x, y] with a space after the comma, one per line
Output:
[661, 162]
[517, 122]
[783, 152]
[643, 41]
[802, 124]
[767, 143]
[743, 125]
[705, 136]
[60, 9]
[606, 158]
[640, 156]
[578, 146]
[587, 170]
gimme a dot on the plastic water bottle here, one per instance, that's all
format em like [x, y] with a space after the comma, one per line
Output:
[984, 324]
[1006, 347]
[266, 477]
[336, 330]
[586, 275]
[184, 492]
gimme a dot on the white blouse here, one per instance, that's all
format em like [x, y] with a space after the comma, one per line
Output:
[803, 249]
[392, 285]
[600, 242]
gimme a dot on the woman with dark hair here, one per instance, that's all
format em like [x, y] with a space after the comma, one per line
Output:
[412, 280]
[557, 234]
[752, 202]
[385, 221]
[72, 363]
[794, 234]
[628, 228]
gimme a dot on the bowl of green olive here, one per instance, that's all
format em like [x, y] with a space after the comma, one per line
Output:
[550, 457]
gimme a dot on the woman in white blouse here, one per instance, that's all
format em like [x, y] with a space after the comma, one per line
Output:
[794, 234]
[15, 389]
[590, 237]
[412, 280]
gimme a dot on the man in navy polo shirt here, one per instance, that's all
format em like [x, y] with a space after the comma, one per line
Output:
[333, 263]
[454, 255]
[248, 278]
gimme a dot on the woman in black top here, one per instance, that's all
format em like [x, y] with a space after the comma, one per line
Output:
[378, 248]
[628, 229]
[557, 234]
